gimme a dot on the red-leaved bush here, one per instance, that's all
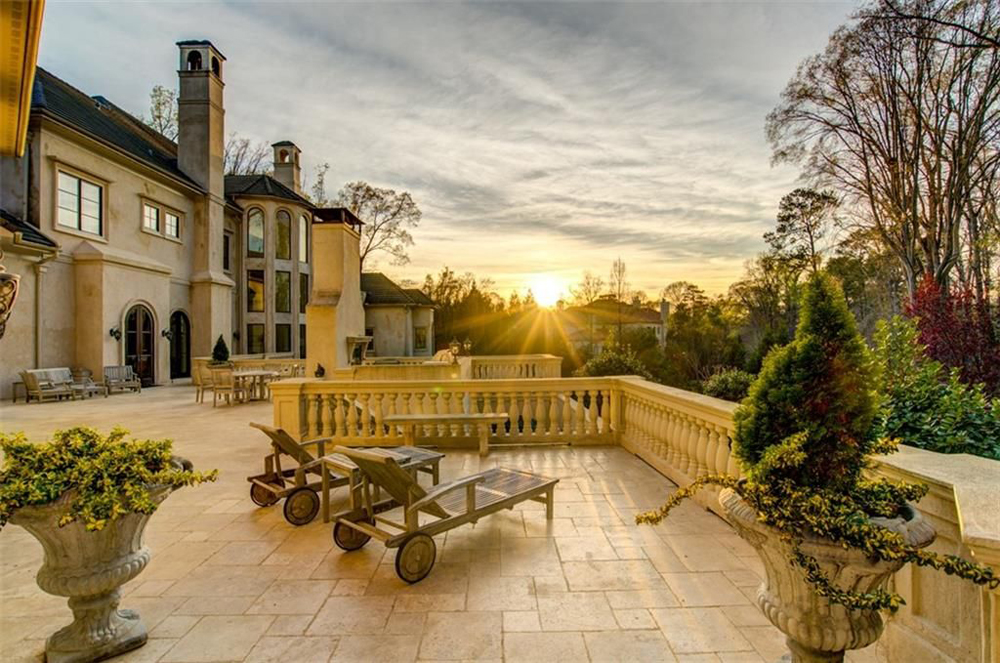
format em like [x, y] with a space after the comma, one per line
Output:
[960, 330]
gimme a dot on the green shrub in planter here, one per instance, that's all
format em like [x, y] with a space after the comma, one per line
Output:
[730, 384]
[111, 476]
[803, 437]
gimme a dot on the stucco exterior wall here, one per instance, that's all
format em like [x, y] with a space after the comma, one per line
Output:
[424, 317]
[391, 329]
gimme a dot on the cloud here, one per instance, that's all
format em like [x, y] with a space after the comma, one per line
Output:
[535, 137]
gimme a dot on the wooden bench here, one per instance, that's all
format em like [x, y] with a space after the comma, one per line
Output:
[482, 421]
[121, 377]
[45, 383]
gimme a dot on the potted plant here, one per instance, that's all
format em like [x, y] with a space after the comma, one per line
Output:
[220, 353]
[830, 536]
[87, 498]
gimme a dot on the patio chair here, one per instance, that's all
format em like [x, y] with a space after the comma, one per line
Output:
[121, 377]
[47, 383]
[224, 383]
[451, 504]
[202, 378]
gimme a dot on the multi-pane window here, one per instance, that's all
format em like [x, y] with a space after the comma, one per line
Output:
[227, 247]
[255, 339]
[283, 292]
[255, 233]
[255, 290]
[282, 338]
[80, 204]
[303, 292]
[303, 238]
[420, 338]
[151, 217]
[302, 341]
[173, 225]
[283, 236]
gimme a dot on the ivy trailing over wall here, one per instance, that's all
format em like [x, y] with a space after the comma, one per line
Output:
[110, 476]
[804, 437]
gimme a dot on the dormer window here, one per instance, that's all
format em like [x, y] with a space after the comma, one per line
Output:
[194, 61]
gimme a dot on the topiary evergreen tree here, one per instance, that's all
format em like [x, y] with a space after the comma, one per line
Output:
[819, 387]
[220, 353]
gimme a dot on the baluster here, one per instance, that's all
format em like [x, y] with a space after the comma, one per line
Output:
[605, 412]
[338, 416]
[592, 413]
[377, 431]
[352, 414]
[326, 415]
[696, 449]
[514, 413]
[579, 430]
[711, 445]
[721, 450]
[314, 422]
[672, 456]
[365, 422]
[684, 430]
[566, 424]
[527, 414]
[662, 432]
[553, 413]
[391, 410]
[541, 413]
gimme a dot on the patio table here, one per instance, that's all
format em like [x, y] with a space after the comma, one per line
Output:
[412, 459]
[257, 379]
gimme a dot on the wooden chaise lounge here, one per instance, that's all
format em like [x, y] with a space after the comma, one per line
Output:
[307, 479]
[450, 505]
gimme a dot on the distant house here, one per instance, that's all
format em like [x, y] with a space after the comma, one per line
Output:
[399, 320]
[589, 325]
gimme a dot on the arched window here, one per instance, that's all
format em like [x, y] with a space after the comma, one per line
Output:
[216, 66]
[283, 236]
[255, 232]
[194, 61]
[303, 238]
[283, 156]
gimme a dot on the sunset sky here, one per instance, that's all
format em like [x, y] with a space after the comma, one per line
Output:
[539, 140]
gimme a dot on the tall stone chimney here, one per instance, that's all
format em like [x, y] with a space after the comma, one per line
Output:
[200, 156]
[286, 165]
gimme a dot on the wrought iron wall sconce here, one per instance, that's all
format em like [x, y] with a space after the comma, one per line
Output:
[115, 333]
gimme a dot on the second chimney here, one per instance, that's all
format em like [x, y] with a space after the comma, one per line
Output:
[286, 165]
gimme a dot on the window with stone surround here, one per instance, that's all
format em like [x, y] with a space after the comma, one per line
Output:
[303, 292]
[81, 204]
[282, 338]
[283, 236]
[255, 290]
[282, 292]
[255, 339]
[151, 217]
[255, 232]
[303, 238]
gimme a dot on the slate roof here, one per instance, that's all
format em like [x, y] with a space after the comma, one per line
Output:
[262, 185]
[29, 233]
[101, 119]
[381, 290]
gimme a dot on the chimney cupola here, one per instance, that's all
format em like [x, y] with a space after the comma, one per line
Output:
[286, 165]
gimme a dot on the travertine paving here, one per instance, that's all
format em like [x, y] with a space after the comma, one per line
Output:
[232, 582]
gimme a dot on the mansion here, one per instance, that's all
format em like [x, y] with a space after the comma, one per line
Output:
[133, 249]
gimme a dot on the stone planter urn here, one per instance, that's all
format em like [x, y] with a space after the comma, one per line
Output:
[816, 630]
[88, 568]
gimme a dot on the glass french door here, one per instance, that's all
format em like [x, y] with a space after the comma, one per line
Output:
[139, 337]
[180, 346]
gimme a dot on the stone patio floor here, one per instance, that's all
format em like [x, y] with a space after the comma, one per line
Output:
[233, 582]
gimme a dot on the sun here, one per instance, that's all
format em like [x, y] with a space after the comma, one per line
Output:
[546, 290]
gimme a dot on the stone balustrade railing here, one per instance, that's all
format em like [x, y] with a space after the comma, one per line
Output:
[510, 367]
[684, 436]
[575, 410]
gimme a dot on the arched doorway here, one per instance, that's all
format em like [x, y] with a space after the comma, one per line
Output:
[139, 337]
[180, 346]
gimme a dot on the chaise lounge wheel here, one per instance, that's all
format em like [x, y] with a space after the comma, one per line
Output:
[347, 538]
[261, 496]
[301, 506]
[415, 558]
